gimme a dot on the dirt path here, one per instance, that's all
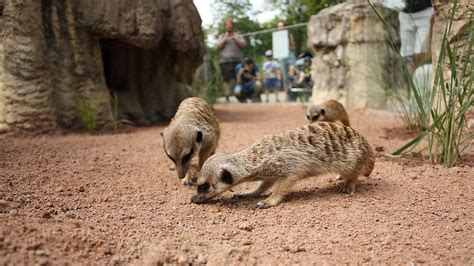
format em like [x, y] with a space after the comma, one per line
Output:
[112, 199]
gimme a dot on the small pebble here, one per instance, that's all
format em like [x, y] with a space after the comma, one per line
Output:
[245, 226]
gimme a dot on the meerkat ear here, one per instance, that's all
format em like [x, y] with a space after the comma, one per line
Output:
[226, 177]
[199, 136]
[323, 112]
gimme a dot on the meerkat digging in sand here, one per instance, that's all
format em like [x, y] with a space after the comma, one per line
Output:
[280, 160]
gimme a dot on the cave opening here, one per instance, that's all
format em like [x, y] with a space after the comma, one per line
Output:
[132, 77]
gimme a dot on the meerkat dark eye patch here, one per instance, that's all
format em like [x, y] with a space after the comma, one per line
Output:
[315, 118]
[188, 156]
[323, 112]
[308, 117]
[226, 177]
[203, 188]
[199, 136]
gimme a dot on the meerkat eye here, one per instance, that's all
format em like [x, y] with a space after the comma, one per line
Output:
[203, 188]
[199, 136]
[323, 112]
[226, 177]
[315, 118]
[187, 157]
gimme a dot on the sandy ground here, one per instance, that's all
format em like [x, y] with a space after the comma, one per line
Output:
[111, 199]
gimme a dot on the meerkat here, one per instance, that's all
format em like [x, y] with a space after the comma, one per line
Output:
[280, 160]
[194, 130]
[329, 111]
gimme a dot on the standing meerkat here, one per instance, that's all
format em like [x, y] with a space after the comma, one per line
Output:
[329, 111]
[194, 130]
[280, 160]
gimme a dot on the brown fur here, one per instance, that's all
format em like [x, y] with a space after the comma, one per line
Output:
[280, 160]
[330, 111]
[181, 137]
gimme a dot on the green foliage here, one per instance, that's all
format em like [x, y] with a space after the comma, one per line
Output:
[443, 113]
[88, 110]
[447, 139]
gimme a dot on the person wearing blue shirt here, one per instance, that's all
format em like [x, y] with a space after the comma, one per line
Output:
[248, 81]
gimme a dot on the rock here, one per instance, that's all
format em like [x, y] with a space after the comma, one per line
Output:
[45, 76]
[293, 248]
[201, 259]
[246, 226]
[470, 123]
[48, 214]
[459, 32]
[247, 242]
[3, 205]
[40, 252]
[182, 259]
[340, 43]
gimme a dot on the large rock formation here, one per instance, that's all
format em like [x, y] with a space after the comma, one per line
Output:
[354, 61]
[60, 52]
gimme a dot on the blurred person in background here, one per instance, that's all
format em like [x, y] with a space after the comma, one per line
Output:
[415, 18]
[248, 82]
[272, 76]
[230, 46]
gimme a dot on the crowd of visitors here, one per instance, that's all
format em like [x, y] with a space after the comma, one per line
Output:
[244, 75]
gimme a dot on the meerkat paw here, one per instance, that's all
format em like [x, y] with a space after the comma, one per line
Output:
[263, 205]
[348, 188]
[260, 205]
[187, 181]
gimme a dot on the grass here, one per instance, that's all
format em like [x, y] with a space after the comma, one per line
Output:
[89, 110]
[442, 115]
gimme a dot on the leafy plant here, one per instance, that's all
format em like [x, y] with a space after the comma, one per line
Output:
[88, 110]
[444, 112]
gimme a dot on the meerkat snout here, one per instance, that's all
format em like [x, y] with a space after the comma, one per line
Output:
[316, 117]
[315, 114]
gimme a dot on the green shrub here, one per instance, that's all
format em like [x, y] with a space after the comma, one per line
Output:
[441, 112]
